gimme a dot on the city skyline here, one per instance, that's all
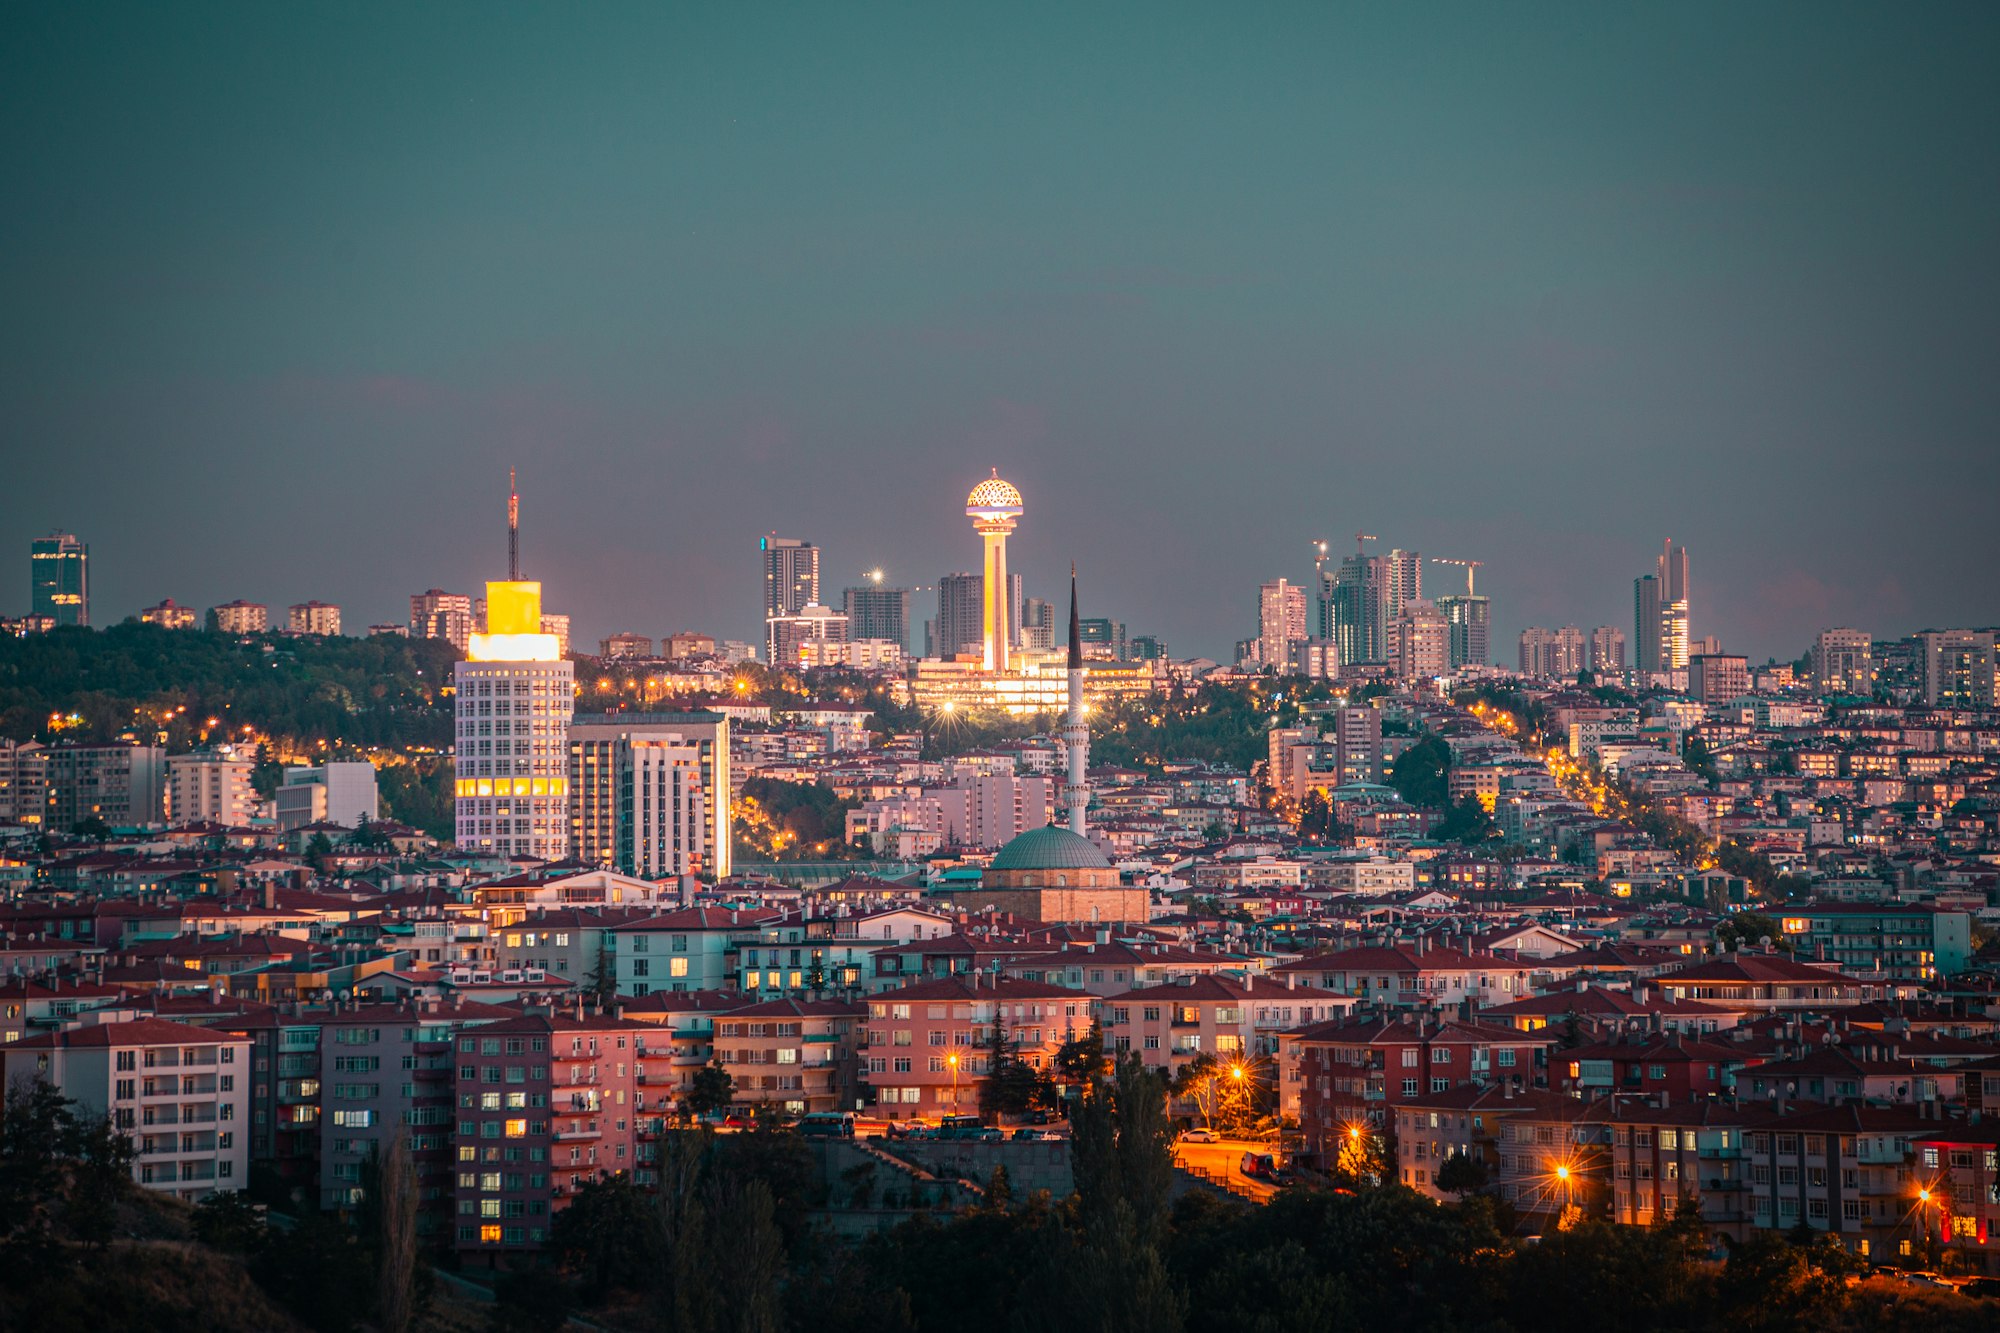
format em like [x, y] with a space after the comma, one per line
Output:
[1486, 288]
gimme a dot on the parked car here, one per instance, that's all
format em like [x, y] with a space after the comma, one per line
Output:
[1985, 1287]
[1201, 1136]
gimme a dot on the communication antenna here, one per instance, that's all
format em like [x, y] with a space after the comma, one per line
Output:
[513, 530]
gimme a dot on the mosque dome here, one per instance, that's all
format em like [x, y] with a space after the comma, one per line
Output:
[993, 493]
[1050, 847]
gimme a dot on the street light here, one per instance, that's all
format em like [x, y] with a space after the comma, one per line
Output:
[952, 1060]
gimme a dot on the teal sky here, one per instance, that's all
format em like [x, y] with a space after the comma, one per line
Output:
[288, 288]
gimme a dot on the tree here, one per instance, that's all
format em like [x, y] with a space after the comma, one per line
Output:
[1467, 823]
[1081, 1058]
[605, 1235]
[396, 1239]
[710, 1090]
[94, 827]
[1741, 928]
[1462, 1175]
[228, 1220]
[601, 982]
[1418, 774]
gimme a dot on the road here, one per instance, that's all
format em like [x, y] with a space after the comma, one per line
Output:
[1224, 1160]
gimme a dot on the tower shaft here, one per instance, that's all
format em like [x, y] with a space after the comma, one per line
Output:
[997, 632]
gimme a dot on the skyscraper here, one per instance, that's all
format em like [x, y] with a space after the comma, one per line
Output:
[1470, 618]
[876, 612]
[1361, 597]
[515, 693]
[994, 506]
[1674, 641]
[1841, 662]
[1038, 625]
[1647, 653]
[1281, 621]
[59, 579]
[1660, 613]
[649, 793]
[791, 579]
[960, 618]
[1405, 583]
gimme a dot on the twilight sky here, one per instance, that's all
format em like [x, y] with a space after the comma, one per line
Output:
[287, 288]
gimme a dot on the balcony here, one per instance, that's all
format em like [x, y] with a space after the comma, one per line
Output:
[431, 1075]
[573, 1135]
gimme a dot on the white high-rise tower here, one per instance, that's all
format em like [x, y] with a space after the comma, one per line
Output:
[515, 693]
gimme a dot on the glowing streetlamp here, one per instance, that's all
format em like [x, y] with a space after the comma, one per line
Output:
[952, 1060]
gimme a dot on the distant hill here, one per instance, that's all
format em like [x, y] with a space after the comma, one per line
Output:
[142, 680]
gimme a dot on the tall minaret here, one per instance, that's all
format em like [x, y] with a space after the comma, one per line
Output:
[1076, 732]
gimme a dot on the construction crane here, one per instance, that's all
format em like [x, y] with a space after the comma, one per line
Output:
[1319, 559]
[1471, 567]
[1361, 537]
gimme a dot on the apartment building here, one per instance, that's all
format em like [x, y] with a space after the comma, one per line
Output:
[181, 1092]
[1913, 942]
[387, 1069]
[1170, 1025]
[546, 1102]
[1359, 1071]
[796, 1055]
[928, 1042]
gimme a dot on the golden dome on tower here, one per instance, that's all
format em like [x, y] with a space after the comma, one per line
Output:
[993, 496]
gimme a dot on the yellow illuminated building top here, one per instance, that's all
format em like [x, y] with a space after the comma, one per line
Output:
[514, 627]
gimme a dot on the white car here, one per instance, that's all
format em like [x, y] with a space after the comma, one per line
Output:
[1201, 1136]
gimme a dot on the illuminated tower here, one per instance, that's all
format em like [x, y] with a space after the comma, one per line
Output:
[61, 578]
[515, 693]
[1076, 732]
[993, 506]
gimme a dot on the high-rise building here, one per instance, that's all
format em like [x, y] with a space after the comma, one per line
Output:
[1675, 640]
[1360, 601]
[240, 618]
[876, 612]
[556, 626]
[24, 782]
[1647, 653]
[438, 614]
[1149, 648]
[515, 693]
[59, 579]
[169, 614]
[994, 506]
[1718, 678]
[649, 793]
[1552, 654]
[1607, 649]
[1470, 618]
[212, 786]
[1841, 662]
[124, 785]
[791, 580]
[1660, 613]
[1958, 668]
[960, 618]
[1423, 642]
[1038, 625]
[321, 618]
[1281, 622]
[1405, 583]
